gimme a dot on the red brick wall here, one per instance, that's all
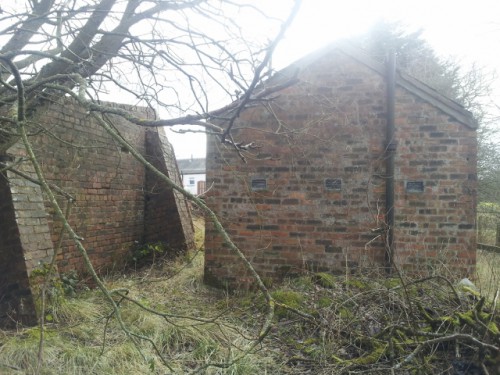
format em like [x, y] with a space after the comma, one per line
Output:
[110, 212]
[332, 126]
[106, 181]
[15, 294]
[162, 201]
[434, 229]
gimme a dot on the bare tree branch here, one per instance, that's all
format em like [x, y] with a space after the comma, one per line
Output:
[168, 55]
[27, 29]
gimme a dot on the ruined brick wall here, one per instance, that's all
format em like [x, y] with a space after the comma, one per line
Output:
[25, 242]
[162, 201]
[15, 295]
[109, 185]
[321, 154]
[110, 212]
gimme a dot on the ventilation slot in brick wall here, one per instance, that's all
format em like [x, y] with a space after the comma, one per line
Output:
[259, 184]
[414, 186]
[333, 184]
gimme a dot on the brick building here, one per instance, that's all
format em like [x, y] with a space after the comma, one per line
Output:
[118, 204]
[331, 151]
[193, 174]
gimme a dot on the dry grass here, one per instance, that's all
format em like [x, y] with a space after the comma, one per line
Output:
[82, 338]
[488, 273]
[382, 326]
[353, 324]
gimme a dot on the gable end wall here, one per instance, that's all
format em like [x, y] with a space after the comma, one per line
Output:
[332, 126]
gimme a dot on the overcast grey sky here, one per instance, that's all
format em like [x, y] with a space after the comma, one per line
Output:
[468, 31]
[463, 28]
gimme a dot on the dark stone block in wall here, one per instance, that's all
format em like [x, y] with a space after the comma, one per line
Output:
[466, 226]
[417, 204]
[437, 134]
[427, 128]
[448, 141]
[290, 201]
[333, 249]
[437, 163]
[323, 242]
[407, 225]
[272, 201]
[271, 227]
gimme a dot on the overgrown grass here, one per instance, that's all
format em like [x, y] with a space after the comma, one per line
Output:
[488, 273]
[488, 263]
[82, 337]
[487, 222]
[382, 326]
[359, 324]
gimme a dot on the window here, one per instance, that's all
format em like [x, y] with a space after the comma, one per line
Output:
[191, 181]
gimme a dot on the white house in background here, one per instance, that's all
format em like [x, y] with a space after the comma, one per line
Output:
[193, 174]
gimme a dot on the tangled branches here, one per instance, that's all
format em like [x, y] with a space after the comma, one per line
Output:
[387, 326]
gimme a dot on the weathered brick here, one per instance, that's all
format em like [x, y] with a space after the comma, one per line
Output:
[110, 212]
[339, 110]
